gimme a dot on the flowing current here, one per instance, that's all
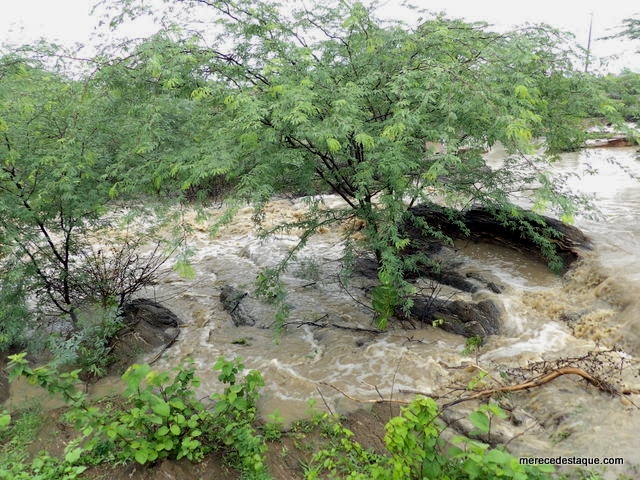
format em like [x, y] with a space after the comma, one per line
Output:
[546, 317]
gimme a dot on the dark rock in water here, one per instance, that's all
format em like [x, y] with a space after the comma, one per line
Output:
[453, 279]
[367, 266]
[436, 260]
[231, 299]
[151, 312]
[147, 326]
[482, 225]
[470, 319]
[447, 272]
[488, 284]
[241, 307]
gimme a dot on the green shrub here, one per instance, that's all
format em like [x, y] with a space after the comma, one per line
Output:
[16, 433]
[234, 415]
[342, 457]
[159, 416]
[89, 346]
[416, 451]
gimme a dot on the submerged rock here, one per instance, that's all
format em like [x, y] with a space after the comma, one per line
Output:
[148, 325]
[446, 271]
[243, 309]
[481, 225]
[143, 310]
[469, 319]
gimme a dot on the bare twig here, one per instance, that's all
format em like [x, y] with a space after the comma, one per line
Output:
[359, 400]
[489, 392]
[393, 381]
[312, 323]
[343, 286]
[164, 349]
[324, 400]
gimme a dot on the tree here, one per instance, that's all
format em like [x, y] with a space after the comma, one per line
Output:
[150, 88]
[332, 99]
[49, 185]
[630, 28]
[624, 90]
[57, 145]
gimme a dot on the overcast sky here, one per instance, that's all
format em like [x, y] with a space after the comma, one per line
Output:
[68, 21]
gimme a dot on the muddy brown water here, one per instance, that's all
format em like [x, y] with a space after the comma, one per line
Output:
[546, 317]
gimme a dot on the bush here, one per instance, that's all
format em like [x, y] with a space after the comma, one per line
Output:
[97, 284]
[160, 417]
[417, 452]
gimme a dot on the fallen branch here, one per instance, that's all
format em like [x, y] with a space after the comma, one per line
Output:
[536, 382]
[543, 379]
[359, 400]
[333, 325]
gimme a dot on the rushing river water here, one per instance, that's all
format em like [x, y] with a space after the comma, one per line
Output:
[546, 318]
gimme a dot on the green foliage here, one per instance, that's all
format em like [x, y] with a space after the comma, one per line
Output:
[57, 169]
[309, 101]
[481, 419]
[235, 411]
[477, 380]
[162, 418]
[44, 467]
[155, 91]
[270, 287]
[5, 420]
[333, 99]
[478, 461]
[308, 269]
[272, 429]
[623, 91]
[15, 434]
[342, 457]
[630, 28]
[158, 417]
[385, 298]
[51, 185]
[19, 428]
[15, 438]
[63, 384]
[14, 314]
[89, 346]
[472, 345]
[416, 451]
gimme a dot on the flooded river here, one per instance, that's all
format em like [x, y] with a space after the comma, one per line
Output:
[546, 317]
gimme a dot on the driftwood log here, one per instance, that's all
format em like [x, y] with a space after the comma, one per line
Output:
[610, 142]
